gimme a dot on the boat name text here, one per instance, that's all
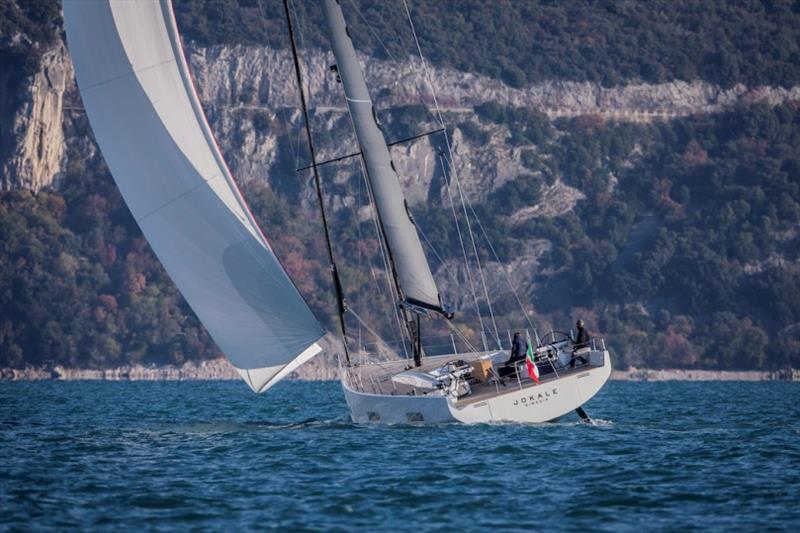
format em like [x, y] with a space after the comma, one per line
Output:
[537, 397]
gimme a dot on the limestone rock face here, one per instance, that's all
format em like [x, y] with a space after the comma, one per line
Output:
[557, 199]
[250, 97]
[37, 158]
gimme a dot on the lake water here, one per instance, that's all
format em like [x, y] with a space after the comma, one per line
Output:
[212, 455]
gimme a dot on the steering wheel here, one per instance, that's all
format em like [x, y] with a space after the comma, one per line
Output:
[557, 336]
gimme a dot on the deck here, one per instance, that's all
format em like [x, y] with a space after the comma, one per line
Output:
[376, 378]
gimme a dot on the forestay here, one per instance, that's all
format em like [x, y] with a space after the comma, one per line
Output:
[412, 269]
[154, 136]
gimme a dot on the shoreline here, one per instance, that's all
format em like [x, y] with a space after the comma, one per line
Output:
[675, 374]
[221, 370]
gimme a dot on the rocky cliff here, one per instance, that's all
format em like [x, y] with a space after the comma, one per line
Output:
[238, 83]
[37, 158]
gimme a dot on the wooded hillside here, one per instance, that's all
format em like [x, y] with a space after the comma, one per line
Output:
[685, 251]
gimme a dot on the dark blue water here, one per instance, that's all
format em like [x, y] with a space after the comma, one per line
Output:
[212, 455]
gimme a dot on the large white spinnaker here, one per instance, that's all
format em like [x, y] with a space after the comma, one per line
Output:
[147, 119]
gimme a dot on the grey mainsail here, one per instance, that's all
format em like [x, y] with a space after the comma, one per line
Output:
[413, 273]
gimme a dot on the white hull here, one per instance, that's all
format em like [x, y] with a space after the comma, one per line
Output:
[518, 401]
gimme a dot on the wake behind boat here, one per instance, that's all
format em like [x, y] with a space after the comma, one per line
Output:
[150, 126]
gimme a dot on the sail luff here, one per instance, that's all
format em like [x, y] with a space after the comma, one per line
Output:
[411, 267]
[153, 134]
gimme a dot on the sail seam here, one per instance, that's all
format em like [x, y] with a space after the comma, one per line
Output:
[133, 72]
[175, 199]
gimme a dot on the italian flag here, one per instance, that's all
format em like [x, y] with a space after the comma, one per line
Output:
[533, 370]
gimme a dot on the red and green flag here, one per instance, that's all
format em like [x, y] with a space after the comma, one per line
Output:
[533, 370]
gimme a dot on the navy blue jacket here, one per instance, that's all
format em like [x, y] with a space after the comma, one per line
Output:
[519, 349]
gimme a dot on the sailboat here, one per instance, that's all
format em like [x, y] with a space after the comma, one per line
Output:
[150, 126]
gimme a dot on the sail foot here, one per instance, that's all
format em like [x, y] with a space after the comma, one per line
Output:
[424, 309]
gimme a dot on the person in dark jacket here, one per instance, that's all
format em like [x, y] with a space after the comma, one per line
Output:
[581, 341]
[519, 349]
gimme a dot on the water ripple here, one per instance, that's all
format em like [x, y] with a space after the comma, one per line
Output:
[104, 455]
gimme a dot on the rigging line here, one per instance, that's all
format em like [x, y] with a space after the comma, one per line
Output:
[463, 248]
[506, 276]
[366, 326]
[359, 255]
[496, 256]
[393, 143]
[394, 296]
[393, 287]
[452, 158]
[372, 30]
[424, 67]
[300, 29]
[438, 257]
[390, 297]
[342, 303]
[463, 337]
[503, 269]
[429, 79]
[478, 261]
[295, 146]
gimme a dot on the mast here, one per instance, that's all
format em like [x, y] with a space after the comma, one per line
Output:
[416, 287]
[341, 302]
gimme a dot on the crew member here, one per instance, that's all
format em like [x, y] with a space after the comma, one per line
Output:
[581, 341]
[519, 349]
